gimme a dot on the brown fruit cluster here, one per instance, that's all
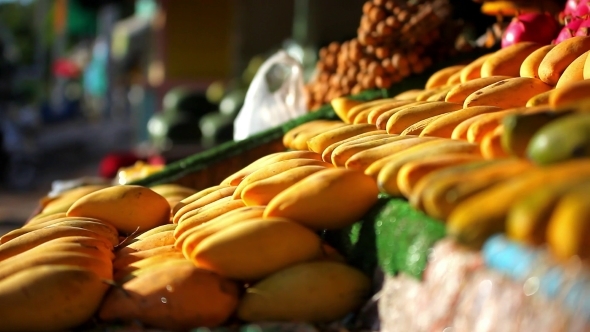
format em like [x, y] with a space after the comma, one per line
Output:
[395, 38]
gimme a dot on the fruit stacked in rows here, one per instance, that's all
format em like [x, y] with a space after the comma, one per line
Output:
[395, 38]
[174, 258]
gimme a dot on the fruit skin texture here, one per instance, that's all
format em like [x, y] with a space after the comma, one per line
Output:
[475, 219]
[569, 226]
[562, 139]
[320, 142]
[561, 56]
[573, 93]
[473, 69]
[507, 61]
[441, 77]
[443, 127]
[49, 298]
[127, 207]
[508, 93]
[315, 292]
[532, 27]
[327, 153]
[459, 93]
[193, 208]
[252, 250]
[407, 117]
[530, 65]
[196, 196]
[63, 202]
[574, 72]
[341, 106]
[172, 297]
[328, 199]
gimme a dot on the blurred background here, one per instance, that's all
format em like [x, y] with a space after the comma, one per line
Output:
[90, 86]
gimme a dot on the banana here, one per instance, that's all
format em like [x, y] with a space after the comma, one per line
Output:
[37, 237]
[171, 189]
[571, 94]
[275, 169]
[486, 123]
[223, 194]
[586, 72]
[38, 219]
[424, 96]
[454, 79]
[144, 209]
[327, 153]
[574, 72]
[300, 141]
[508, 93]
[124, 260]
[81, 240]
[520, 128]
[569, 226]
[447, 174]
[100, 265]
[374, 168]
[561, 56]
[440, 77]
[460, 92]
[341, 154]
[408, 95]
[417, 128]
[159, 229]
[97, 250]
[381, 120]
[528, 218]
[237, 177]
[107, 231]
[540, 99]
[445, 195]
[43, 298]
[147, 262]
[507, 61]
[314, 292]
[472, 70]
[359, 108]
[375, 112]
[205, 215]
[197, 196]
[320, 142]
[363, 159]
[446, 123]
[475, 219]
[236, 252]
[441, 95]
[387, 178]
[491, 144]
[290, 135]
[530, 65]
[342, 106]
[326, 191]
[263, 191]
[199, 233]
[411, 172]
[153, 241]
[562, 139]
[406, 117]
[63, 202]
[364, 116]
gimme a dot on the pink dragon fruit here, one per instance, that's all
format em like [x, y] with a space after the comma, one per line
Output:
[534, 27]
[576, 8]
[584, 28]
[569, 30]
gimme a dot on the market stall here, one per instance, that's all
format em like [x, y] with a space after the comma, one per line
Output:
[423, 191]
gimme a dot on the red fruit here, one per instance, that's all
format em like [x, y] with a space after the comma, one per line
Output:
[533, 27]
[569, 30]
[572, 6]
[583, 10]
[584, 28]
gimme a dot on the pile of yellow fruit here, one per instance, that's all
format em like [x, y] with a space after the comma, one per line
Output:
[174, 258]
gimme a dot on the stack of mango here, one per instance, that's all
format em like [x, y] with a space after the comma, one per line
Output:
[170, 257]
[500, 144]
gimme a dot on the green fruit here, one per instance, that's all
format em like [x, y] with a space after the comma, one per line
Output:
[563, 139]
[520, 128]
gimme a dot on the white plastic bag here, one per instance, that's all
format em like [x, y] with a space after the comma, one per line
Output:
[274, 97]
